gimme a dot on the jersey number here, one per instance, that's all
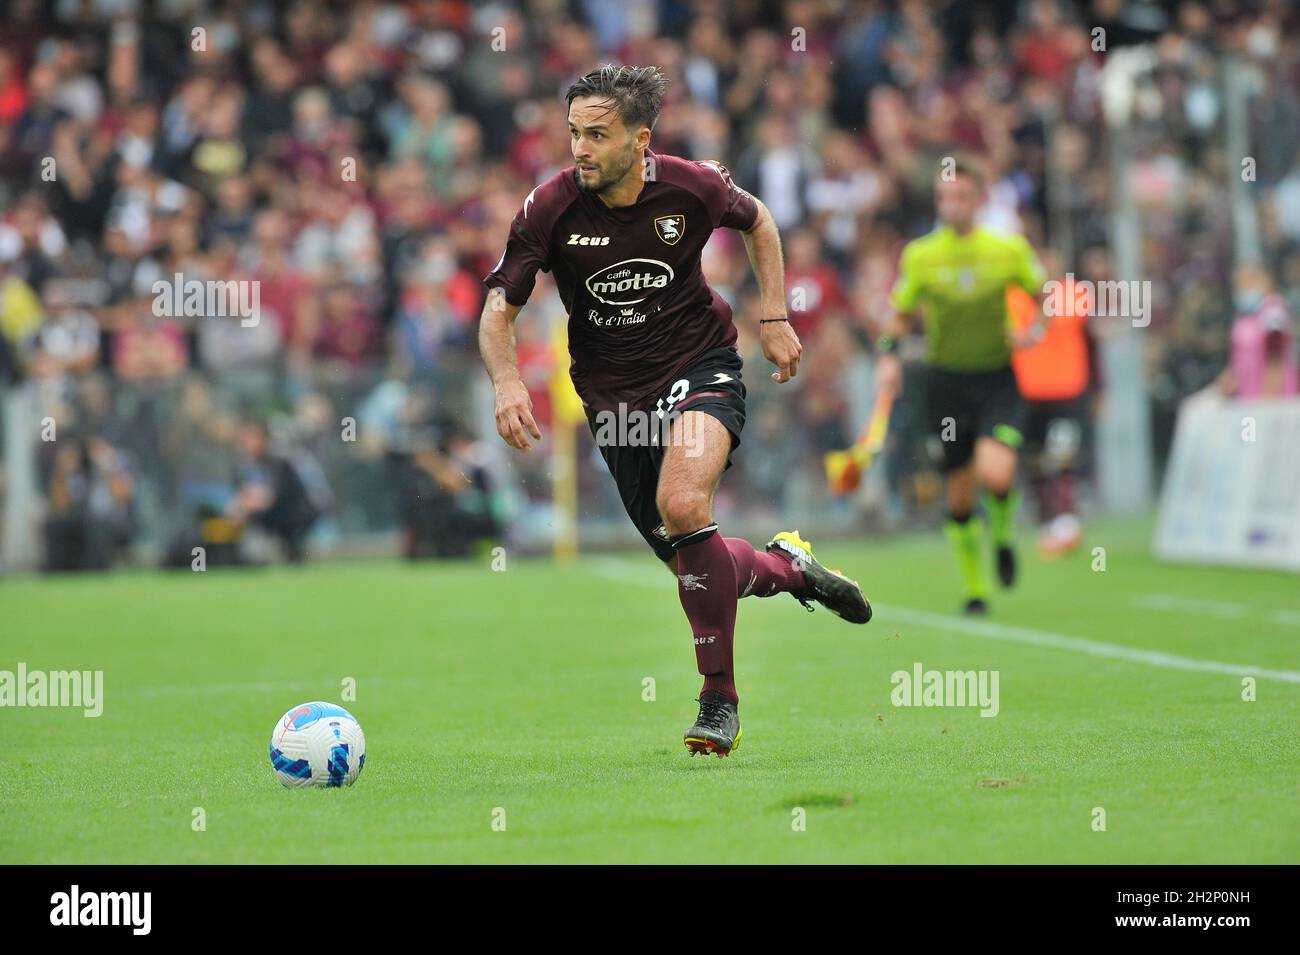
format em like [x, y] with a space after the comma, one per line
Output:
[675, 394]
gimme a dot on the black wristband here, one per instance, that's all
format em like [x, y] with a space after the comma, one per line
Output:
[764, 321]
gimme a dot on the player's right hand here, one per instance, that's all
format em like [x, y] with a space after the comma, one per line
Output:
[889, 375]
[515, 420]
[781, 346]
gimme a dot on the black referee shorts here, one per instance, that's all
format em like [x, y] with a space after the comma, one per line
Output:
[962, 406]
[633, 454]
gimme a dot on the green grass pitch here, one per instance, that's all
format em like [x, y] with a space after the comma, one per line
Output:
[523, 690]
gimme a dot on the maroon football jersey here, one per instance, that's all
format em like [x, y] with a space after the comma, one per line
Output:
[630, 278]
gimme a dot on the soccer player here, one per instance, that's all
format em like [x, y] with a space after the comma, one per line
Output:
[622, 231]
[955, 279]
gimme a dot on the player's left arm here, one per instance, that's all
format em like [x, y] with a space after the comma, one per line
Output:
[1035, 331]
[780, 344]
[1029, 275]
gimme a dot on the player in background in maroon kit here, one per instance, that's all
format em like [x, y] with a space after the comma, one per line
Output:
[622, 231]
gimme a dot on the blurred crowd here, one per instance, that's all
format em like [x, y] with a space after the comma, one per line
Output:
[362, 161]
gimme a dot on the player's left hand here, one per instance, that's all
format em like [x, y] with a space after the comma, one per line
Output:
[1027, 337]
[782, 348]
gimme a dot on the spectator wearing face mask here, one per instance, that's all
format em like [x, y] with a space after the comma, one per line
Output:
[1262, 358]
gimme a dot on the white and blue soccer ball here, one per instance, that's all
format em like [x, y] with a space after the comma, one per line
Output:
[318, 744]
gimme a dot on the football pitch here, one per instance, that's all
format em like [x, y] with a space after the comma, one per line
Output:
[535, 714]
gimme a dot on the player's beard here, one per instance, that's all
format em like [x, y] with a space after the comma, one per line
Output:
[605, 183]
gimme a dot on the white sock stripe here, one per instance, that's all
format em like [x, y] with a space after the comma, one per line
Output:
[693, 536]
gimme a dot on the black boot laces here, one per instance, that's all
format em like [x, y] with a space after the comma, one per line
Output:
[713, 714]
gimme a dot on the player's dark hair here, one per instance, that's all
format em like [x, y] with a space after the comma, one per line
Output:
[637, 91]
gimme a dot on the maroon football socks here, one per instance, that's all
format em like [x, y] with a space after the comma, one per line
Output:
[762, 574]
[713, 573]
[706, 584]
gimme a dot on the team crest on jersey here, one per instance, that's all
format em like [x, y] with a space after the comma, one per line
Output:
[670, 228]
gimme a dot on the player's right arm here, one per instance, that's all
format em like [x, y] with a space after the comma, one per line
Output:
[889, 368]
[509, 285]
[496, 343]
[904, 298]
